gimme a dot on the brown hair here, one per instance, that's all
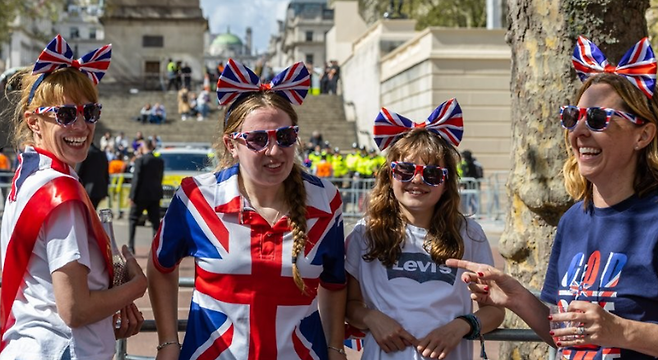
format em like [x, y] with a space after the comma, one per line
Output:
[67, 82]
[385, 229]
[635, 102]
[293, 185]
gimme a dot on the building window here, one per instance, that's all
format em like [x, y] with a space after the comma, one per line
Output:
[309, 36]
[309, 59]
[92, 33]
[152, 41]
[75, 33]
[152, 67]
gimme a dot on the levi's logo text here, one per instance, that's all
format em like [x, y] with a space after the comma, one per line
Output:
[593, 279]
[421, 268]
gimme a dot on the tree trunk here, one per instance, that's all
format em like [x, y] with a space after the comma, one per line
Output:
[542, 35]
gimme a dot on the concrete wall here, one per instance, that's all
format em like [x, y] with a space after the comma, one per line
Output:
[472, 65]
[348, 26]
[183, 40]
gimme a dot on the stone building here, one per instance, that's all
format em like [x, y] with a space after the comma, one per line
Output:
[146, 33]
[303, 34]
[411, 72]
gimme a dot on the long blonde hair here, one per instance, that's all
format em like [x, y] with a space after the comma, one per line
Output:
[635, 102]
[293, 184]
[67, 82]
[385, 230]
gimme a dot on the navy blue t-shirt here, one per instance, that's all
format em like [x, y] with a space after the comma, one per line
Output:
[608, 256]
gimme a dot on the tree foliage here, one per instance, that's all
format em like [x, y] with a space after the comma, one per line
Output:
[448, 13]
[34, 9]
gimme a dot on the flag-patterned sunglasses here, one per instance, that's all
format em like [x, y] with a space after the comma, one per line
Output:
[258, 140]
[405, 172]
[66, 115]
[596, 118]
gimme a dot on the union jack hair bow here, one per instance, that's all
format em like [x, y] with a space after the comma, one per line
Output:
[638, 64]
[237, 79]
[446, 121]
[58, 55]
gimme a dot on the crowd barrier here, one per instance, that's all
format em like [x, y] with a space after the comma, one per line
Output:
[516, 335]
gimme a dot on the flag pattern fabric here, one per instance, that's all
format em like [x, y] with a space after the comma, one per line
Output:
[58, 55]
[638, 65]
[446, 121]
[236, 79]
[245, 303]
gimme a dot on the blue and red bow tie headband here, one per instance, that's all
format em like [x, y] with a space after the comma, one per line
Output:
[58, 55]
[638, 64]
[237, 79]
[446, 121]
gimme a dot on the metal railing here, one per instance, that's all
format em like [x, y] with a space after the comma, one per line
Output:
[516, 335]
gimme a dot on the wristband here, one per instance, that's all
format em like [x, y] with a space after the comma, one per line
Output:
[474, 322]
[167, 343]
[339, 350]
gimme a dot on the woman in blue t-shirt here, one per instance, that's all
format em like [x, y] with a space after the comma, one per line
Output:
[603, 269]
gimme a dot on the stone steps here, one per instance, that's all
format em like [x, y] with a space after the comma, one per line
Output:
[323, 113]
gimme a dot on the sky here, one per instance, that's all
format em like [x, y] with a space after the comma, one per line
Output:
[261, 15]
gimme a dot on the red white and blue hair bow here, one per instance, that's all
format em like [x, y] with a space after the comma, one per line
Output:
[58, 55]
[638, 64]
[237, 79]
[446, 121]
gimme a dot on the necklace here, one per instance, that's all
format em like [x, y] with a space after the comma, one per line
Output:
[262, 210]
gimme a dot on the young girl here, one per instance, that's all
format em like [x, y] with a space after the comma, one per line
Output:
[399, 288]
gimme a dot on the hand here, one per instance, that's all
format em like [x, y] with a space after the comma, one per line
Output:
[440, 341]
[171, 352]
[131, 321]
[599, 327]
[133, 269]
[488, 285]
[388, 333]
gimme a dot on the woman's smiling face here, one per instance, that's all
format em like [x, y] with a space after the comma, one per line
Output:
[68, 143]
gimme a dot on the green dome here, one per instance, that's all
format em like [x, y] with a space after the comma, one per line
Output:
[226, 39]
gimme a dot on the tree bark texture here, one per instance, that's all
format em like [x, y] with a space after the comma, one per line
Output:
[542, 35]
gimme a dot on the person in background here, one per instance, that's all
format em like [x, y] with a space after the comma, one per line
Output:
[56, 299]
[602, 273]
[5, 164]
[145, 190]
[158, 114]
[145, 113]
[94, 174]
[267, 239]
[413, 216]
[470, 168]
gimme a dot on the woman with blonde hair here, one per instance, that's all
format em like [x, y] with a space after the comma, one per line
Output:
[58, 301]
[603, 271]
[266, 237]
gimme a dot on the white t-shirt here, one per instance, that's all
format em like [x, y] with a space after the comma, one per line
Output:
[39, 333]
[418, 293]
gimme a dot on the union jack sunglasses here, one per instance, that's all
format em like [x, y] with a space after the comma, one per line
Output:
[405, 172]
[596, 118]
[258, 140]
[66, 115]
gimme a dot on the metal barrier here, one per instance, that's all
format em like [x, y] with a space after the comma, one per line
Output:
[517, 335]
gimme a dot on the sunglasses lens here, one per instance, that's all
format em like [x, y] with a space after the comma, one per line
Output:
[433, 175]
[286, 137]
[570, 116]
[596, 118]
[256, 140]
[404, 171]
[66, 115]
[92, 112]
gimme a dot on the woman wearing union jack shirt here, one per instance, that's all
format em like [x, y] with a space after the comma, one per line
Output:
[603, 271]
[267, 238]
[56, 300]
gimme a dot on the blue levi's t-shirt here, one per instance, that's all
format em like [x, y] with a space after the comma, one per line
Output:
[608, 256]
